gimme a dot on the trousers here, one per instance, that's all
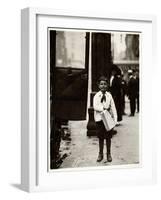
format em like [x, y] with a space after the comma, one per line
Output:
[103, 135]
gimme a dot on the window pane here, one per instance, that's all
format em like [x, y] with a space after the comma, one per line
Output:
[70, 49]
[125, 47]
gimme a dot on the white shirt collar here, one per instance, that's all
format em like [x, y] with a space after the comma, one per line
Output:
[100, 93]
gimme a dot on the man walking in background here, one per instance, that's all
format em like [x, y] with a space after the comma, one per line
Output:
[132, 91]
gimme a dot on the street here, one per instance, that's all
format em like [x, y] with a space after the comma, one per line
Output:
[82, 151]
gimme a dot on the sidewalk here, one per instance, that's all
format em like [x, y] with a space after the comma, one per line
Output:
[82, 151]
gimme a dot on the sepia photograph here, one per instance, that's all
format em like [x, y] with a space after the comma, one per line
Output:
[93, 98]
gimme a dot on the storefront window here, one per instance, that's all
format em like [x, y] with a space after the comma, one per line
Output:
[125, 47]
[70, 49]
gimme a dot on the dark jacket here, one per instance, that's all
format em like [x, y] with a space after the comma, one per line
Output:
[132, 87]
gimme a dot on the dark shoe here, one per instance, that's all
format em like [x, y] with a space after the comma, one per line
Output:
[131, 115]
[109, 158]
[100, 157]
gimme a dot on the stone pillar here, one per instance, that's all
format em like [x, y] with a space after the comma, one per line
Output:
[101, 66]
[101, 57]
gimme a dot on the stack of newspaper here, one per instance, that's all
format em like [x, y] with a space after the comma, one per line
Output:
[107, 120]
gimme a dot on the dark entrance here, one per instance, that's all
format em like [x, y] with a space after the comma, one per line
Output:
[68, 93]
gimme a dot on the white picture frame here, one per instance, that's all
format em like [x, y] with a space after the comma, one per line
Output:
[34, 177]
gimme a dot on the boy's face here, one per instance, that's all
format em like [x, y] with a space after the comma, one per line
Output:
[103, 86]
